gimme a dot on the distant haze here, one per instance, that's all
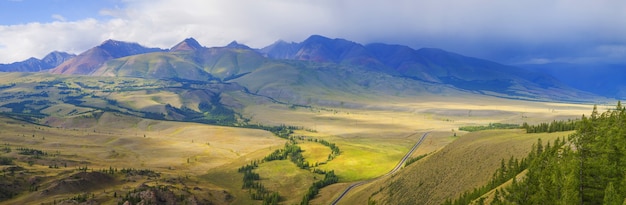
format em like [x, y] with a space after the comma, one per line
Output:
[532, 31]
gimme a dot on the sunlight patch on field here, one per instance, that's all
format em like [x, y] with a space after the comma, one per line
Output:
[144, 99]
[288, 180]
[374, 138]
[449, 172]
[161, 145]
[314, 152]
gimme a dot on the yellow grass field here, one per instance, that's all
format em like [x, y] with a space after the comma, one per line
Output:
[464, 164]
[373, 136]
[174, 149]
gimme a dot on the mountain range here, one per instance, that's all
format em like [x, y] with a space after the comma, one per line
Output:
[601, 79]
[283, 70]
[48, 62]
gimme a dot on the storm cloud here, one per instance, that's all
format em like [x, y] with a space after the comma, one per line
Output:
[531, 31]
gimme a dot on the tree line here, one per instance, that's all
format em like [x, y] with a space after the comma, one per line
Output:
[554, 126]
[314, 189]
[491, 126]
[290, 151]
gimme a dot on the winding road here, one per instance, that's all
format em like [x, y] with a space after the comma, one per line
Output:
[393, 171]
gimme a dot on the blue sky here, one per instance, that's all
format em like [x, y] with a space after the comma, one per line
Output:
[26, 11]
[512, 32]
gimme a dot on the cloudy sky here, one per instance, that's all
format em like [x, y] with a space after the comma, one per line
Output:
[507, 31]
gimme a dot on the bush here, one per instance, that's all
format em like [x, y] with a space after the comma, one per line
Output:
[6, 161]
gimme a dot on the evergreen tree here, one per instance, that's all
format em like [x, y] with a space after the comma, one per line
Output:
[611, 197]
[587, 168]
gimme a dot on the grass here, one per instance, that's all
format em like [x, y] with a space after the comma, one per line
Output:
[314, 152]
[449, 172]
[288, 180]
[373, 130]
[375, 137]
[365, 159]
[143, 100]
[118, 141]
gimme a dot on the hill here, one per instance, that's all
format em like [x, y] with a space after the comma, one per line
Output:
[585, 169]
[372, 127]
[111, 158]
[448, 172]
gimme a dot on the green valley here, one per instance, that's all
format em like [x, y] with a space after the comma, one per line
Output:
[234, 125]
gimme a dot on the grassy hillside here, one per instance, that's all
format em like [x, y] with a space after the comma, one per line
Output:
[464, 164]
[41, 98]
[372, 126]
[161, 65]
[199, 65]
[321, 84]
[168, 154]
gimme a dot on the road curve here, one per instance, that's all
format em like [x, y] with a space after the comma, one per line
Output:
[393, 171]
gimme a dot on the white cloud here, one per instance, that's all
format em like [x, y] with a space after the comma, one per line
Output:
[501, 30]
[58, 17]
[20, 42]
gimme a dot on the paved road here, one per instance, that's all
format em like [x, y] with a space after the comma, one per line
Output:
[393, 171]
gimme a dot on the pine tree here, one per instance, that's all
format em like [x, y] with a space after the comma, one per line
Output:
[611, 197]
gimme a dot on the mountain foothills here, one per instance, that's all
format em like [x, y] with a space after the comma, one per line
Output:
[298, 123]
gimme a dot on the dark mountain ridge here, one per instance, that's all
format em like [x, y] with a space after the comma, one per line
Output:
[602, 79]
[426, 64]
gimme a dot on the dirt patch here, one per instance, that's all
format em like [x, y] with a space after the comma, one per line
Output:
[145, 194]
[12, 182]
[79, 182]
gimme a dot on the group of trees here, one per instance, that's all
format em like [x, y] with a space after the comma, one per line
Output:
[587, 168]
[554, 126]
[290, 151]
[28, 151]
[251, 180]
[414, 159]
[549, 177]
[6, 148]
[329, 178]
[126, 171]
[6, 160]
[491, 126]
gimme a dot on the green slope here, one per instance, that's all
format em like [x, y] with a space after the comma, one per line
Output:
[200, 65]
